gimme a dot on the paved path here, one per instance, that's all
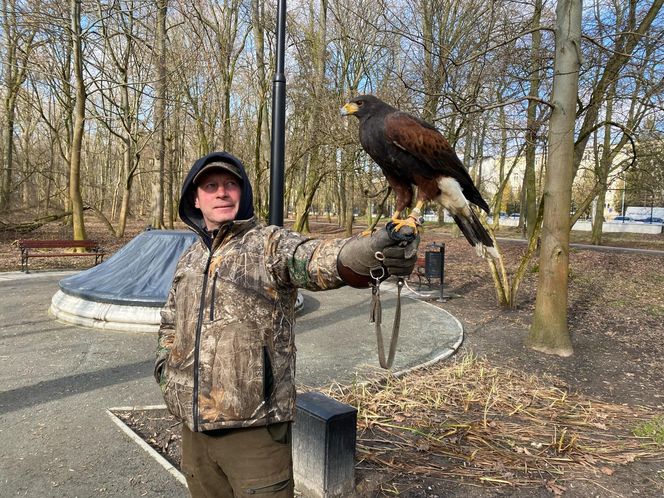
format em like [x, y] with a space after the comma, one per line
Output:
[57, 381]
[590, 247]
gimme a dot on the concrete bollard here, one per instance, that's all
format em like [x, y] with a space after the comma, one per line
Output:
[324, 447]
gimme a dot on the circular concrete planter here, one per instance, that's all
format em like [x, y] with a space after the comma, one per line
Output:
[107, 316]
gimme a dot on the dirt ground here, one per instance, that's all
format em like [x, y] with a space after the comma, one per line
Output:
[616, 321]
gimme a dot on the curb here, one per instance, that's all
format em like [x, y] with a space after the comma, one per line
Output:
[137, 439]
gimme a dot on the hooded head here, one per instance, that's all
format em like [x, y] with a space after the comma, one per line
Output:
[193, 216]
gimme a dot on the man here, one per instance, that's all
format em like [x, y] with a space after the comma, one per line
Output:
[226, 354]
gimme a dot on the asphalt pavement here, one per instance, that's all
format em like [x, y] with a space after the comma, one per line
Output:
[57, 382]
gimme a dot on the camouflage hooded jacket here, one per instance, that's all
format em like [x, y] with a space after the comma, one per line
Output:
[226, 352]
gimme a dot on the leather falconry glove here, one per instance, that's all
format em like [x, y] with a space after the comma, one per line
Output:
[363, 259]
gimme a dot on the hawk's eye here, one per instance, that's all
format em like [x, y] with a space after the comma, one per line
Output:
[360, 103]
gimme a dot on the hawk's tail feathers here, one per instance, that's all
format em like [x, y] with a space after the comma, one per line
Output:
[476, 234]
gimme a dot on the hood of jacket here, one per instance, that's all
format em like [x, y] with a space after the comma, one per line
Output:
[193, 216]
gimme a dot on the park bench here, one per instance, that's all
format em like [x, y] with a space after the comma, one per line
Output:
[38, 249]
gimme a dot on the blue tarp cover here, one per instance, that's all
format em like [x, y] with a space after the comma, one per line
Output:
[139, 274]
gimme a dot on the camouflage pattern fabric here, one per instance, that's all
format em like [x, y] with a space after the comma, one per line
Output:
[226, 351]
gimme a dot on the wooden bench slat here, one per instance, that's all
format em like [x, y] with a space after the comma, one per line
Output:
[62, 254]
[36, 244]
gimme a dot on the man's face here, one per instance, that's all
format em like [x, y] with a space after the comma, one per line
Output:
[218, 197]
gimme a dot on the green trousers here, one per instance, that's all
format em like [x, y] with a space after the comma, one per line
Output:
[237, 463]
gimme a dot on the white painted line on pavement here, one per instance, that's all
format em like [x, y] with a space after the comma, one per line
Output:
[134, 437]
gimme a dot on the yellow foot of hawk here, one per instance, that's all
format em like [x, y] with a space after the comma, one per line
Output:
[403, 229]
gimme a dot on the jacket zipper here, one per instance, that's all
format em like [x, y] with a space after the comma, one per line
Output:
[268, 381]
[197, 347]
[214, 286]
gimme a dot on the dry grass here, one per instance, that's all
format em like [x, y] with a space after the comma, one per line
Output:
[468, 420]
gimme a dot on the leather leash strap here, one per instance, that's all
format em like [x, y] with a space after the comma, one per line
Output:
[376, 317]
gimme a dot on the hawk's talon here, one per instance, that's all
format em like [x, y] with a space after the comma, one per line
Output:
[411, 222]
[395, 229]
[416, 219]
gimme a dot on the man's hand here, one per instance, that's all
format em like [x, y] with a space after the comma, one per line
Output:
[365, 259]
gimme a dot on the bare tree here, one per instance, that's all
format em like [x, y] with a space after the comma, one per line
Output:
[532, 126]
[313, 48]
[625, 45]
[18, 44]
[160, 113]
[50, 77]
[219, 30]
[549, 331]
[122, 92]
[261, 87]
[79, 122]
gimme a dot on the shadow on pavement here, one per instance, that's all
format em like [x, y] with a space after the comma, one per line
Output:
[71, 385]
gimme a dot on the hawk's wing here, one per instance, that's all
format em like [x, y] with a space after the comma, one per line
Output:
[432, 151]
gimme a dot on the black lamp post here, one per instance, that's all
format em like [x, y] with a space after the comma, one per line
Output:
[278, 124]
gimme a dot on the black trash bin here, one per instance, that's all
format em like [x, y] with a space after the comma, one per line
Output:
[434, 264]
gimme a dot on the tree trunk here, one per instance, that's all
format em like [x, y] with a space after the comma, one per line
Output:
[302, 220]
[160, 115]
[301, 211]
[173, 165]
[130, 165]
[312, 163]
[349, 216]
[498, 200]
[79, 123]
[549, 332]
[14, 69]
[432, 73]
[605, 162]
[8, 25]
[8, 144]
[261, 147]
[598, 216]
[532, 127]
[341, 194]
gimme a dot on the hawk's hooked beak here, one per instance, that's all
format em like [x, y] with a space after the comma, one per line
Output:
[349, 109]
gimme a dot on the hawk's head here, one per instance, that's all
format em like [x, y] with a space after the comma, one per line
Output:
[362, 105]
